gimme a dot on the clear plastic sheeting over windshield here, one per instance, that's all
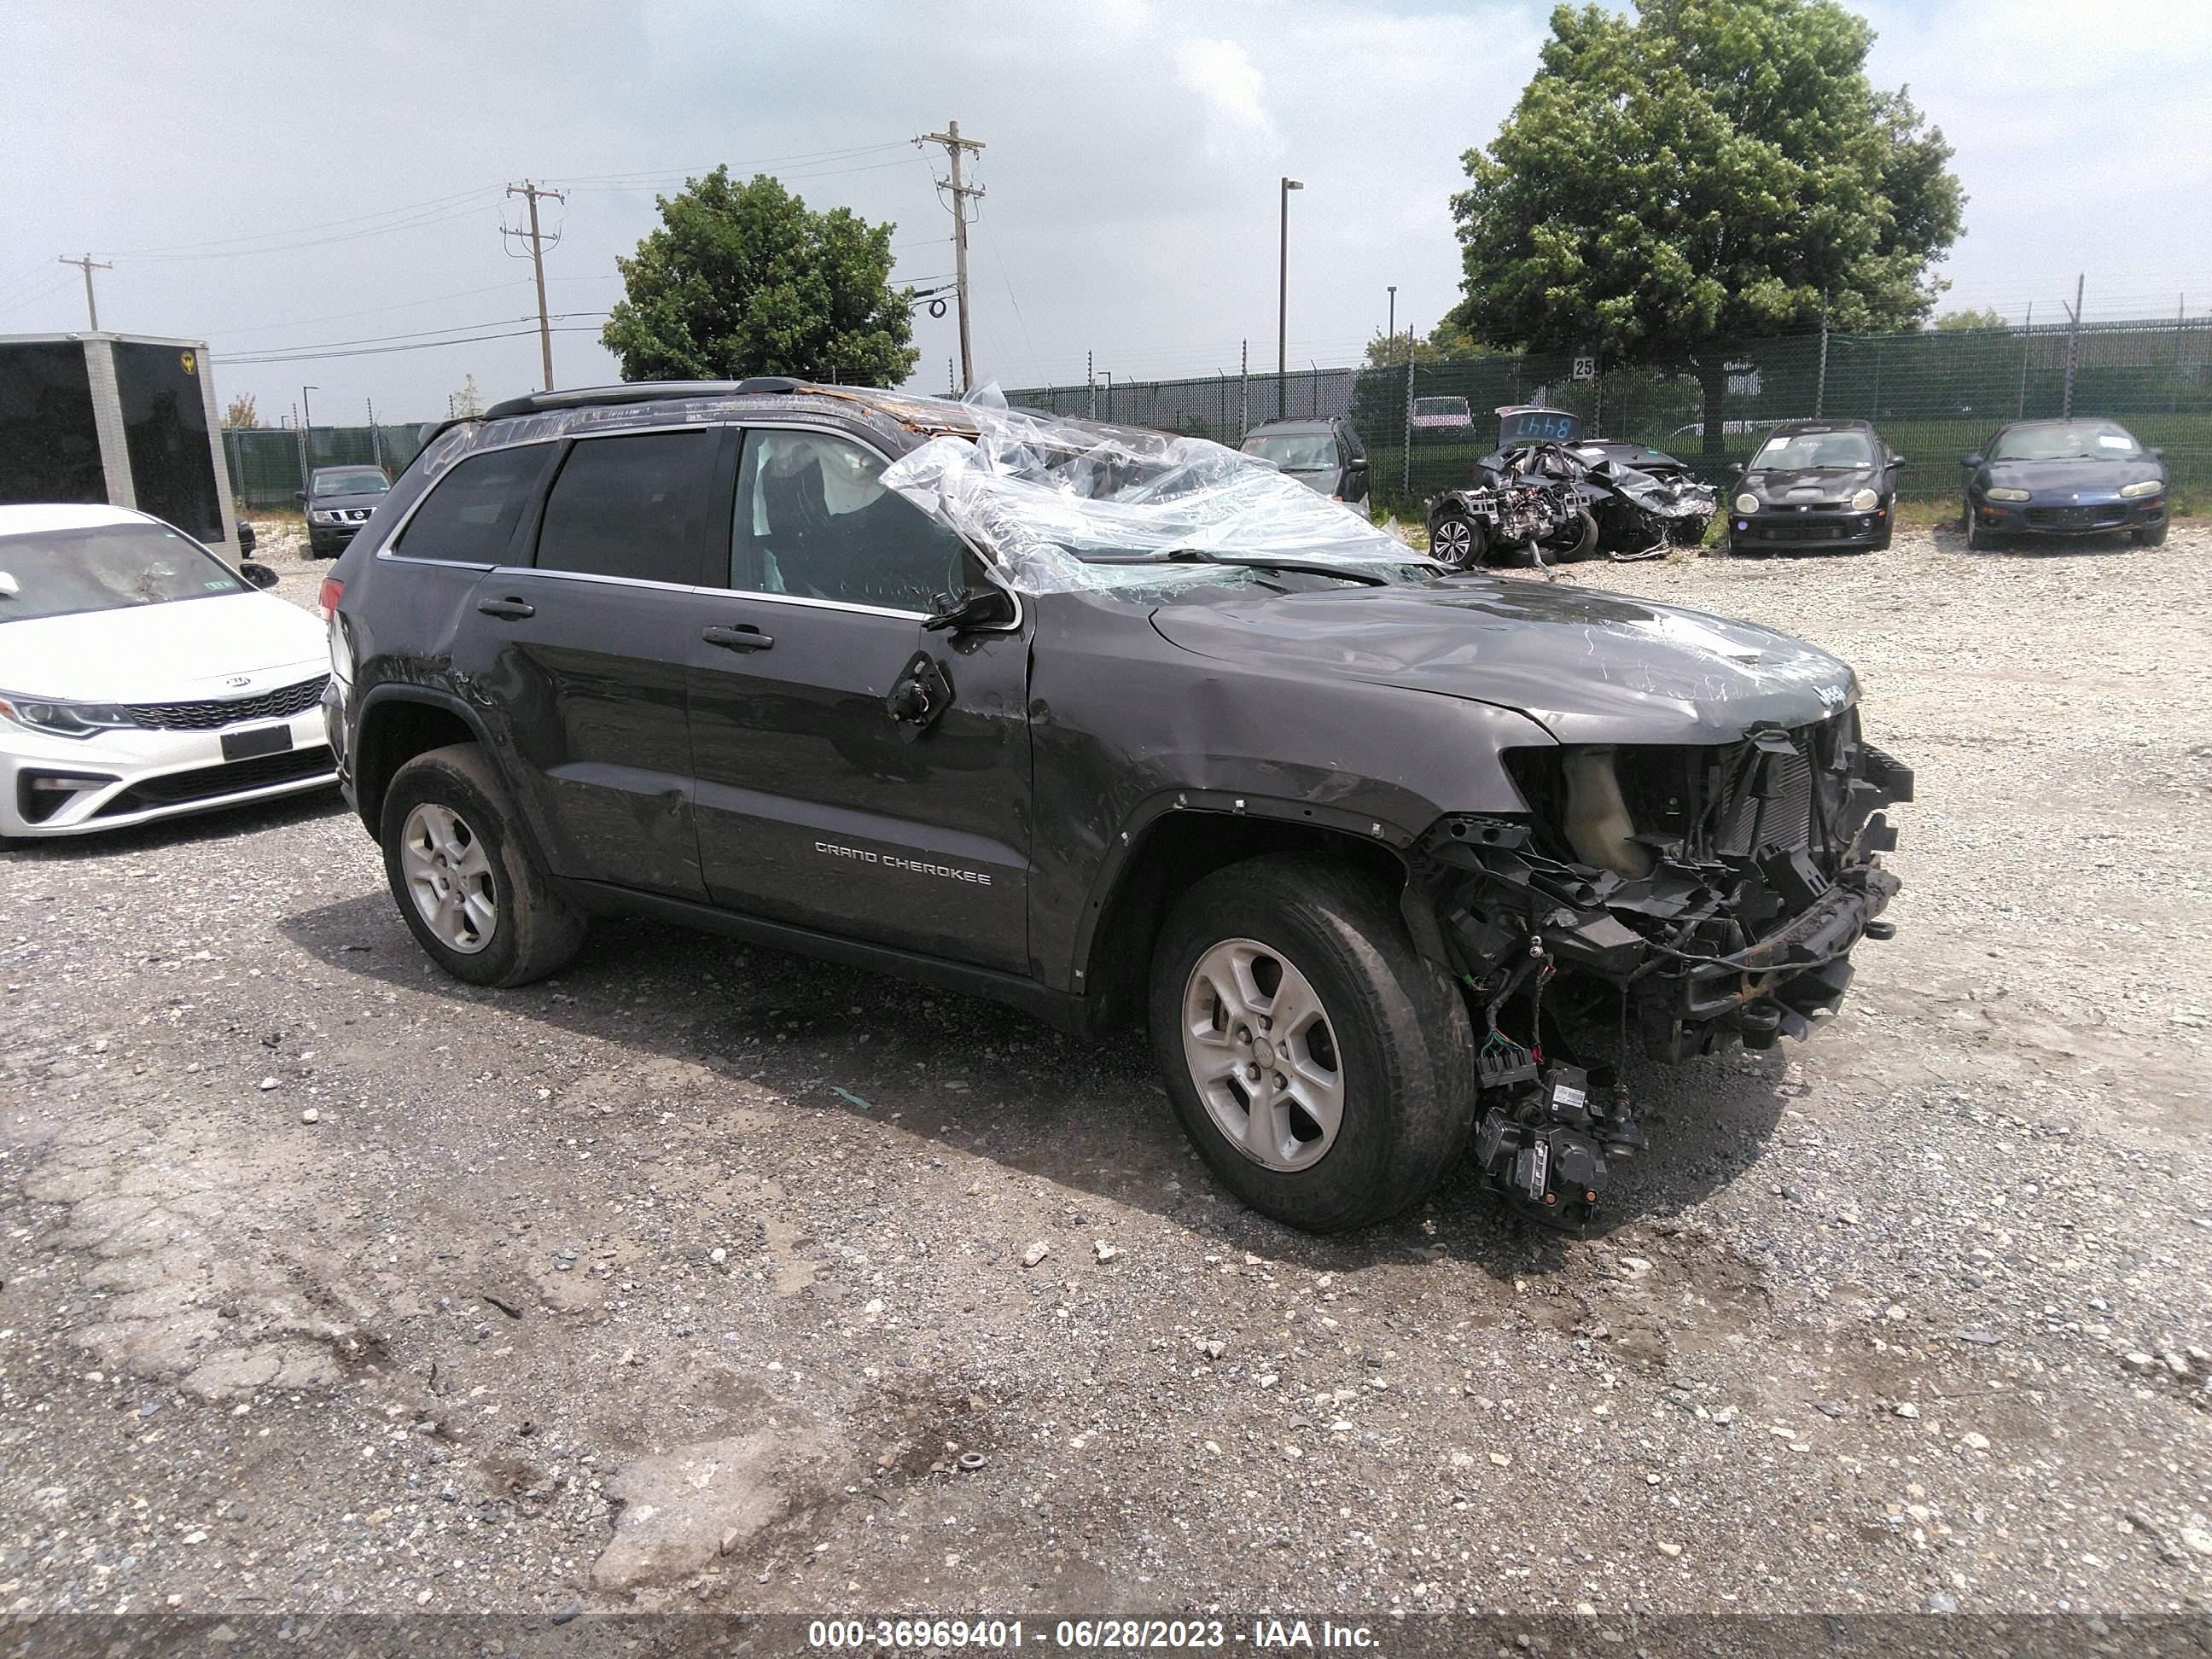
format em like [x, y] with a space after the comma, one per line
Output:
[1063, 505]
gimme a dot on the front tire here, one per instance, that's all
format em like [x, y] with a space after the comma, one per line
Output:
[2154, 537]
[1979, 539]
[1321, 1066]
[1457, 541]
[465, 885]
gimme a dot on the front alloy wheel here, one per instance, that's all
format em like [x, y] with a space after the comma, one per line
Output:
[449, 877]
[1262, 1054]
[1453, 541]
[1322, 1067]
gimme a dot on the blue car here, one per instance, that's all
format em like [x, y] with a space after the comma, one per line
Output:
[2064, 478]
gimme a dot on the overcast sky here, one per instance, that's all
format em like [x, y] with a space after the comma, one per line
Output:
[274, 179]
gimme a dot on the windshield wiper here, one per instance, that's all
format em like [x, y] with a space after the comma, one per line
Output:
[1309, 567]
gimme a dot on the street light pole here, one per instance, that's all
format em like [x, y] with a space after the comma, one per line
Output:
[1283, 299]
[306, 433]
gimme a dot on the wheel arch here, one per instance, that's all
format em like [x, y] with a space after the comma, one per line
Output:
[1178, 844]
[397, 723]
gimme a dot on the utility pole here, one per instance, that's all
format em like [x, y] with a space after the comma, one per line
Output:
[88, 265]
[531, 193]
[954, 145]
[2072, 343]
[1283, 299]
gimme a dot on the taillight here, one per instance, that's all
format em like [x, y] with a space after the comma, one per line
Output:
[326, 599]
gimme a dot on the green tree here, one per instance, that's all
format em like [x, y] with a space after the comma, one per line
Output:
[468, 400]
[1954, 322]
[1704, 172]
[1446, 340]
[742, 279]
[241, 414]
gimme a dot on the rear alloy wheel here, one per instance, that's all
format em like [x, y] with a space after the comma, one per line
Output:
[1457, 540]
[1322, 1067]
[466, 887]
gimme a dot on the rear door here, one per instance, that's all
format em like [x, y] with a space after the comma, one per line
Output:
[581, 648]
[815, 803]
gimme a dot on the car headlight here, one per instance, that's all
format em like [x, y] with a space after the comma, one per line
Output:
[320, 517]
[2137, 491]
[65, 720]
[1746, 502]
[1866, 500]
[2001, 493]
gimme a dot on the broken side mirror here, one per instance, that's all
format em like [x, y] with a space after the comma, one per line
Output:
[972, 607]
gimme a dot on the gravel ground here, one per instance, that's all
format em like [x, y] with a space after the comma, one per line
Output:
[702, 1276]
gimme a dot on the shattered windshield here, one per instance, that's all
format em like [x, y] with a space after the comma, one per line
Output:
[1065, 504]
[1296, 452]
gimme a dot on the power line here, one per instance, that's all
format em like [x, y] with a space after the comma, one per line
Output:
[380, 351]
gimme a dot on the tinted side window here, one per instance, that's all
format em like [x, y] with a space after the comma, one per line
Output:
[470, 513]
[813, 518]
[627, 506]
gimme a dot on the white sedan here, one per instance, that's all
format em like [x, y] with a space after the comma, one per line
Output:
[142, 678]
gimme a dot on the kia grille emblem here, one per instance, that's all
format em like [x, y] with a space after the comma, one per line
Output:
[239, 679]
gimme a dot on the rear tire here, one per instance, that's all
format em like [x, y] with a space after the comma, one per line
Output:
[1374, 1035]
[1582, 544]
[465, 885]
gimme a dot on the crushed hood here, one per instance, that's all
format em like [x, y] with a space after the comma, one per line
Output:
[1590, 667]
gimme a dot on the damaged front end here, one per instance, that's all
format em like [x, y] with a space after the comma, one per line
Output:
[1687, 897]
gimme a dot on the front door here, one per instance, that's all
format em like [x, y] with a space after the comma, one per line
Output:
[582, 649]
[816, 804]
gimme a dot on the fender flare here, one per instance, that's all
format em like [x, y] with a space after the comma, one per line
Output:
[1138, 823]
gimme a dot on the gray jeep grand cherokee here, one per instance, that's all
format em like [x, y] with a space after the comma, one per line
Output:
[1121, 728]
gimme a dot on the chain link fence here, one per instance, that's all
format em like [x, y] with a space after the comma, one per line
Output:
[1935, 395]
[268, 464]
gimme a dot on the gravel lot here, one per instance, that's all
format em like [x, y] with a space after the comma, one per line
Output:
[697, 1276]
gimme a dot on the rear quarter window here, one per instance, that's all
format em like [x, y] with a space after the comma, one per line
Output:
[469, 514]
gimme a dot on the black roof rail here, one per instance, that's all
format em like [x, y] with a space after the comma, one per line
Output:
[636, 392]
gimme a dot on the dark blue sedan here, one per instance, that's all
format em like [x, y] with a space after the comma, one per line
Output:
[2066, 477]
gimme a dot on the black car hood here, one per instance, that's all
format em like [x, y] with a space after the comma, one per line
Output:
[1832, 483]
[2064, 478]
[1591, 667]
